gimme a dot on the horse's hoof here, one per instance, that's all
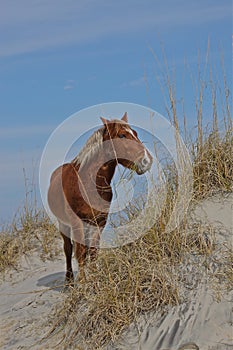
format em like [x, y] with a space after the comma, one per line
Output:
[69, 281]
[93, 253]
[81, 278]
[68, 284]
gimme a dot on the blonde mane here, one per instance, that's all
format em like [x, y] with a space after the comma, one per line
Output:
[90, 149]
[93, 145]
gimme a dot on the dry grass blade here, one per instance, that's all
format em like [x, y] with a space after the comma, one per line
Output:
[213, 164]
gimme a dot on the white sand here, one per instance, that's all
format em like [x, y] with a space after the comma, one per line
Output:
[27, 297]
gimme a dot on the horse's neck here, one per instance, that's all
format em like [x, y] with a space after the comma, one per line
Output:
[105, 174]
[99, 171]
[97, 176]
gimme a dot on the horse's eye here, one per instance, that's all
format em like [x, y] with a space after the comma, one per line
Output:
[121, 136]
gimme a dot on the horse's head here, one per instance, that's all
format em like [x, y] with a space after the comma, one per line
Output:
[128, 149]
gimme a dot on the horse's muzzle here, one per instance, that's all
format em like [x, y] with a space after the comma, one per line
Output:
[144, 164]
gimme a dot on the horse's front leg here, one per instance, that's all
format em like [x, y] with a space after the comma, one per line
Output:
[68, 249]
[81, 254]
[80, 249]
[95, 243]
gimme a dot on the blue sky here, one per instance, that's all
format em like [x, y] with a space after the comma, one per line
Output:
[58, 57]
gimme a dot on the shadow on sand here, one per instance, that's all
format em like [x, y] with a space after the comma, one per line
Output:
[53, 280]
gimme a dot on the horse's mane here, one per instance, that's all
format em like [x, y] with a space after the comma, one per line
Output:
[90, 149]
[93, 145]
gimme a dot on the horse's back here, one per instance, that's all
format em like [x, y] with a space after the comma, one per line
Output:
[59, 172]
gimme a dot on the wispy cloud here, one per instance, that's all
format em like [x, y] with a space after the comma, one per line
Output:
[21, 132]
[38, 25]
[69, 85]
[134, 83]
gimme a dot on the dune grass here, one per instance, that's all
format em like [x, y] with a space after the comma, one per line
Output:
[213, 164]
[36, 235]
[30, 229]
[127, 282]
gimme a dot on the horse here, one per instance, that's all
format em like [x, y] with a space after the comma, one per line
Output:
[80, 192]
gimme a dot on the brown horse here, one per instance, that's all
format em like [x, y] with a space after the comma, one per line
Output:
[80, 192]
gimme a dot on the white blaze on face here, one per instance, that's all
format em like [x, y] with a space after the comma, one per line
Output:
[146, 161]
[130, 132]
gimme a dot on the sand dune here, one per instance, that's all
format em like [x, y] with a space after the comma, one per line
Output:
[200, 319]
[28, 295]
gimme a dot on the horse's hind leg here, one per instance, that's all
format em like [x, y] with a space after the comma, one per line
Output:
[80, 249]
[68, 249]
[81, 254]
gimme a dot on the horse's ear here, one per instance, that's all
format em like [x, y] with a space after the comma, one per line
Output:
[125, 117]
[105, 121]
